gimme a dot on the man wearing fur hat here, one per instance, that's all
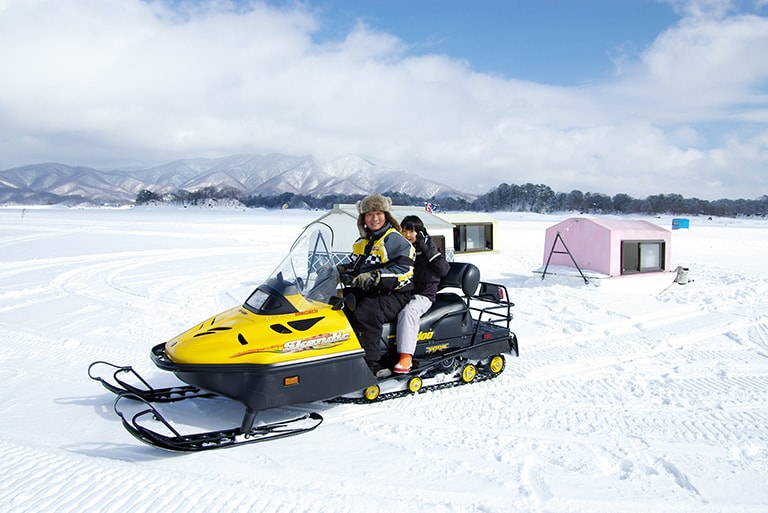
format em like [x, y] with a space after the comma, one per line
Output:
[382, 270]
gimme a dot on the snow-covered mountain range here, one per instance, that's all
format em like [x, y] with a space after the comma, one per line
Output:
[264, 175]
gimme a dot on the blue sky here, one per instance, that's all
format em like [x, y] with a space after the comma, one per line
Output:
[607, 96]
[562, 42]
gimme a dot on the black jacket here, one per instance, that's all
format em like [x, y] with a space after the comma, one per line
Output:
[430, 266]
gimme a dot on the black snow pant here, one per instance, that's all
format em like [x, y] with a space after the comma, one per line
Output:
[369, 317]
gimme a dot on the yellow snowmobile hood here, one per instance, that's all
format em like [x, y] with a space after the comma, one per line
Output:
[240, 336]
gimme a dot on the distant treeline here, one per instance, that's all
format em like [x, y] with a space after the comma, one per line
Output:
[510, 198]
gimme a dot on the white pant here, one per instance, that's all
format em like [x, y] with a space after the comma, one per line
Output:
[408, 321]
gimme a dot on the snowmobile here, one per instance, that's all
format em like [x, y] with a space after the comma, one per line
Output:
[290, 343]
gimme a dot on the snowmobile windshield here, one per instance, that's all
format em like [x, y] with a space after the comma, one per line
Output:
[308, 270]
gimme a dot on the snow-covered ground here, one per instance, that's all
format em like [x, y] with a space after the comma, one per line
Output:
[630, 395]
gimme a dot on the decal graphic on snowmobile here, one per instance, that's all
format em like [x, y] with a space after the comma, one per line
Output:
[425, 335]
[315, 343]
[291, 343]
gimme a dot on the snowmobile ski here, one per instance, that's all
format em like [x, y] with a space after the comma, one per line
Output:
[146, 392]
[135, 424]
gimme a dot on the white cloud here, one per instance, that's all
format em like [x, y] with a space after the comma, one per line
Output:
[716, 65]
[101, 82]
[703, 8]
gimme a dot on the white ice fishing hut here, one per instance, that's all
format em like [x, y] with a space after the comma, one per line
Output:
[452, 233]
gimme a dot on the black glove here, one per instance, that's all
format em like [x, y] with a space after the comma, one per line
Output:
[345, 276]
[421, 242]
[344, 269]
[366, 280]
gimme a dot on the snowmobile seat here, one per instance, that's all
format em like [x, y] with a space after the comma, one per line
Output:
[463, 276]
[449, 316]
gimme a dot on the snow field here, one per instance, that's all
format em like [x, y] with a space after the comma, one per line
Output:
[629, 394]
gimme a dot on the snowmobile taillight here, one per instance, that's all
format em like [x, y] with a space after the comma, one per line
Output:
[290, 381]
[486, 336]
[492, 292]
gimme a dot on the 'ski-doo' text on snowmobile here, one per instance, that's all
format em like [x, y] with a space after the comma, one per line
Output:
[290, 343]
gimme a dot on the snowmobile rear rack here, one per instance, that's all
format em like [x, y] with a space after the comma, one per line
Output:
[495, 308]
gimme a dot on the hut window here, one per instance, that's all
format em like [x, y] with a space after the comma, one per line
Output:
[642, 256]
[473, 237]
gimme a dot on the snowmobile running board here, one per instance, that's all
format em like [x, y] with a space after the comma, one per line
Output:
[148, 393]
[218, 439]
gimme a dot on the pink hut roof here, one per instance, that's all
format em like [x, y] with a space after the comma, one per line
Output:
[629, 225]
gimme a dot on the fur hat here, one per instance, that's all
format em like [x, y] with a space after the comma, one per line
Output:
[371, 203]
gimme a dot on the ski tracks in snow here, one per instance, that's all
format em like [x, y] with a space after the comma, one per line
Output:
[677, 418]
